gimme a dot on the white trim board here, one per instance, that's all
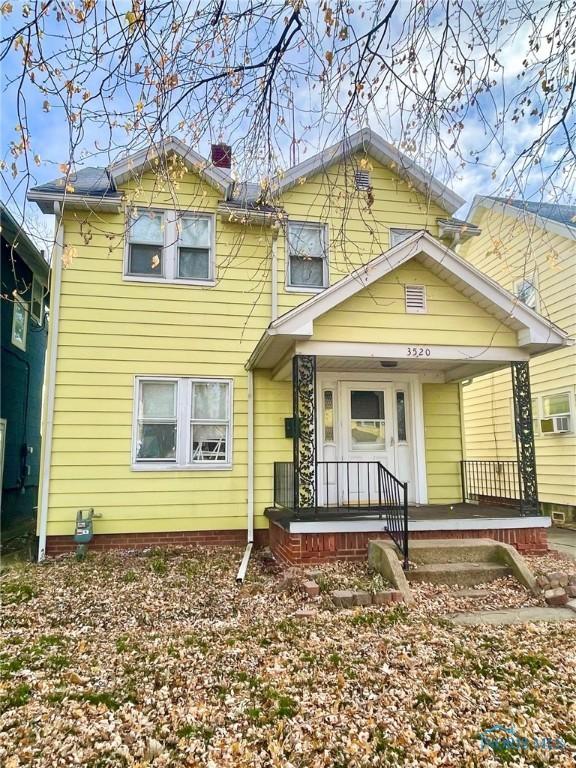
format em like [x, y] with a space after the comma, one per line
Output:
[434, 524]
[124, 169]
[369, 142]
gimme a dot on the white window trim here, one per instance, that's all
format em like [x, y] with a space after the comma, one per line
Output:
[170, 250]
[37, 284]
[183, 421]
[534, 283]
[326, 261]
[538, 412]
[26, 308]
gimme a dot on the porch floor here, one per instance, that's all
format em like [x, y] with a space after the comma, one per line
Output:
[420, 518]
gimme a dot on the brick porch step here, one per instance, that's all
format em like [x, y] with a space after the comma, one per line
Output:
[462, 574]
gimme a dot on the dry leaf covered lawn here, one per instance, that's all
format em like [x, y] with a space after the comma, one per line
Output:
[160, 659]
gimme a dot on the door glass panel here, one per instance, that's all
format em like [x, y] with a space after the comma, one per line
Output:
[367, 423]
[401, 415]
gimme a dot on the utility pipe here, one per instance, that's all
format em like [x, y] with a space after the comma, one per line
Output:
[50, 381]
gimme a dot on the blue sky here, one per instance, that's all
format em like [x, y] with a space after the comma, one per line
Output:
[317, 118]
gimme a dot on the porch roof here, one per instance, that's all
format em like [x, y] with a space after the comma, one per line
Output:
[293, 332]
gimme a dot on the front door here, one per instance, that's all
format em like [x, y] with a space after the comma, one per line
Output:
[367, 429]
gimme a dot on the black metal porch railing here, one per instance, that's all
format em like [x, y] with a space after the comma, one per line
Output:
[492, 481]
[348, 489]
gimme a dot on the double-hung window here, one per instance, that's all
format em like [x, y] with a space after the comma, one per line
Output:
[552, 413]
[171, 246]
[146, 244]
[194, 247]
[307, 256]
[182, 423]
[556, 413]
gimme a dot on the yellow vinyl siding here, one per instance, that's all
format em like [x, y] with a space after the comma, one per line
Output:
[507, 249]
[356, 232]
[272, 404]
[443, 442]
[378, 314]
[112, 330]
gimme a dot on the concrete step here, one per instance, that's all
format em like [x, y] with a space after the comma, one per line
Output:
[462, 574]
[428, 551]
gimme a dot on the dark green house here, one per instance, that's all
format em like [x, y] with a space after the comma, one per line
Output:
[24, 299]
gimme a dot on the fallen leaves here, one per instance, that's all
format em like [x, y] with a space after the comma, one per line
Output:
[118, 661]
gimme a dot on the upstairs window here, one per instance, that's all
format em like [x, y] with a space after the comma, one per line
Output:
[171, 246]
[307, 256]
[194, 247]
[146, 245]
[525, 289]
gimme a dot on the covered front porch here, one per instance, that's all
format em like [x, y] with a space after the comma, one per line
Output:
[376, 429]
[333, 535]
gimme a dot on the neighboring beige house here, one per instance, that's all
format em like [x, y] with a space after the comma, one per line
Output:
[530, 249]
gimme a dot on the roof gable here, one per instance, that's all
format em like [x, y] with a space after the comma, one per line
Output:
[532, 328]
[374, 145]
[144, 159]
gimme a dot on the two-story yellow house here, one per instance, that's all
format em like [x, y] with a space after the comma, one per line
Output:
[236, 362]
[530, 249]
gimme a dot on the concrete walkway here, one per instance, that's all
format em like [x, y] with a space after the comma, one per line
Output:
[562, 540]
[516, 616]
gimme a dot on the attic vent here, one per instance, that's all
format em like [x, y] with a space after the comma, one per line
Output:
[362, 180]
[415, 298]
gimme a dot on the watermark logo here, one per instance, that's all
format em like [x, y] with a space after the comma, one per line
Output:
[501, 738]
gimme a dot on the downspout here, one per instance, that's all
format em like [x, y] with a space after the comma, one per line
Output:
[241, 575]
[50, 380]
[274, 276]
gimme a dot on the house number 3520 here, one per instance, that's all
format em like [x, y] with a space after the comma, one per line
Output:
[418, 352]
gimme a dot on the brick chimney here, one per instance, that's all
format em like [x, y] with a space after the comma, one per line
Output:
[221, 155]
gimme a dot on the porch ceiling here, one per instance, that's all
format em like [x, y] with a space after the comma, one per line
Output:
[455, 367]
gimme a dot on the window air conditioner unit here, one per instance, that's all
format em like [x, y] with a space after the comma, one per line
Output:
[555, 425]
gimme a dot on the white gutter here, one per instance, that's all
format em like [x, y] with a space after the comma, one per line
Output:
[240, 576]
[50, 379]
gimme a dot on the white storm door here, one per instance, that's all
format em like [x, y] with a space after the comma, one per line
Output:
[367, 437]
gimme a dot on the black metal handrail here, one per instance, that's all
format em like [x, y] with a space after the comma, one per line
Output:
[350, 488]
[492, 481]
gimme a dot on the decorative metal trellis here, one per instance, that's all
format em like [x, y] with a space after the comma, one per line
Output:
[524, 430]
[304, 411]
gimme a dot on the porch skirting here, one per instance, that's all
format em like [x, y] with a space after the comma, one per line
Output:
[312, 548]
[102, 542]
